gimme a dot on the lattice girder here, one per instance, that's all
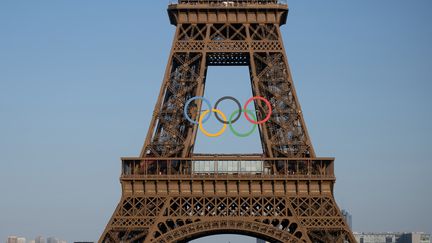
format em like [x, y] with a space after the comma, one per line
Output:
[297, 216]
[163, 201]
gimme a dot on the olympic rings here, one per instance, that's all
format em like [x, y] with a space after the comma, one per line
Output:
[242, 134]
[204, 116]
[228, 98]
[187, 105]
[202, 128]
[266, 102]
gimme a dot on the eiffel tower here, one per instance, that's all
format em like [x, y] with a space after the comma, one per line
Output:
[168, 197]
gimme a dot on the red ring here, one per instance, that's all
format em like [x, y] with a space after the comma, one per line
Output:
[266, 102]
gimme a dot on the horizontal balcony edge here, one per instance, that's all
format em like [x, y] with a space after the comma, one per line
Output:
[243, 177]
[227, 158]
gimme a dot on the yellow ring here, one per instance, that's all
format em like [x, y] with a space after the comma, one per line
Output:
[212, 134]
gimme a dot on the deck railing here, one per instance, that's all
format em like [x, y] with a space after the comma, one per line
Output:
[220, 166]
[229, 3]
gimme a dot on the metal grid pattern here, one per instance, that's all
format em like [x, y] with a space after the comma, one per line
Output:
[164, 197]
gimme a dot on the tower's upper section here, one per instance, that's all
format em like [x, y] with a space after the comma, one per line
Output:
[231, 11]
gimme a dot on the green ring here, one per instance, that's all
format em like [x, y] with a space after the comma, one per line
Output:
[242, 135]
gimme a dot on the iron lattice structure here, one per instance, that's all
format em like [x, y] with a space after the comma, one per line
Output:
[165, 200]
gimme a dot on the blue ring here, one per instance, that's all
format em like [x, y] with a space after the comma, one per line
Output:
[187, 104]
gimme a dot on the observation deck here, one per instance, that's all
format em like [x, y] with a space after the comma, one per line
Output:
[235, 11]
[228, 166]
[227, 174]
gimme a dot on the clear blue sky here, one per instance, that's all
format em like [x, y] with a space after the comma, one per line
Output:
[79, 79]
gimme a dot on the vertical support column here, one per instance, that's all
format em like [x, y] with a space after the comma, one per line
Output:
[289, 76]
[285, 132]
[158, 105]
[170, 134]
[192, 133]
[264, 137]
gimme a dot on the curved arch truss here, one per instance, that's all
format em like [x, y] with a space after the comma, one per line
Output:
[183, 218]
[262, 230]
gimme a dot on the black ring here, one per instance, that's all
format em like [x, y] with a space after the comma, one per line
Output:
[228, 98]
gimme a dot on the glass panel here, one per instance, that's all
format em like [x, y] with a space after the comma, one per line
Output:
[228, 166]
